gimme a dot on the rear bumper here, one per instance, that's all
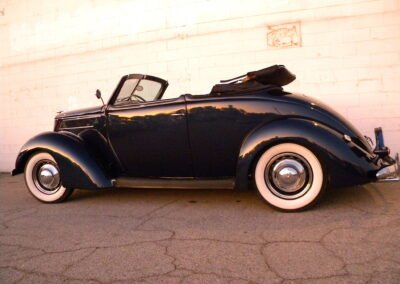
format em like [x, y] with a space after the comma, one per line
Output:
[389, 173]
[390, 169]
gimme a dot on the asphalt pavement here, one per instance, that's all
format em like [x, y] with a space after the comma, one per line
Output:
[198, 236]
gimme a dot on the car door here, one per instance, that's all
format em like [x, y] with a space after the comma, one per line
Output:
[149, 135]
[217, 128]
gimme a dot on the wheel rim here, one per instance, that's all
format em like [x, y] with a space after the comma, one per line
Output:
[288, 175]
[46, 177]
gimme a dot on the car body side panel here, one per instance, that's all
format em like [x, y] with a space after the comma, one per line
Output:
[150, 139]
[91, 127]
[342, 164]
[318, 111]
[204, 136]
[217, 127]
[78, 167]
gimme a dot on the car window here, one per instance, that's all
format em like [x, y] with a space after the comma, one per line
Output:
[138, 91]
[148, 89]
[126, 91]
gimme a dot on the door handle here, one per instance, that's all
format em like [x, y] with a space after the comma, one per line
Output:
[178, 114]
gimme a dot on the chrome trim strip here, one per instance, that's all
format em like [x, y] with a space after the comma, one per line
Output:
[77, 127]
[141, 183]
[69, 118]
[396, 179]
[350, 142]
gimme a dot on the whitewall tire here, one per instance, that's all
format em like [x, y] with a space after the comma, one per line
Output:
[42, 177]
[289, 177]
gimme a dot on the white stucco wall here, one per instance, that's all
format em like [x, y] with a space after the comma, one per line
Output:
[55, 54]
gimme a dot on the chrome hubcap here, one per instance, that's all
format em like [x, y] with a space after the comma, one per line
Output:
[288, 175]
[46, 177]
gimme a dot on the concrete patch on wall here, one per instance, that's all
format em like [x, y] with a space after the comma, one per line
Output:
[284, 35]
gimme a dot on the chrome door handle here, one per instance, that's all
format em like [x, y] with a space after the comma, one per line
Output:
[178, 114]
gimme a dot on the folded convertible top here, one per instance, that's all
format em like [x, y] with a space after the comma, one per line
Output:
[270, 78]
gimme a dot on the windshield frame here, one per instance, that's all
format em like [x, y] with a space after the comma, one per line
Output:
[164, 85]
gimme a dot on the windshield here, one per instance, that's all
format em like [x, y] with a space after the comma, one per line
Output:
[138, 91]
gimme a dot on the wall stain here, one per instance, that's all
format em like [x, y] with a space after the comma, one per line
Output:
[284, 35]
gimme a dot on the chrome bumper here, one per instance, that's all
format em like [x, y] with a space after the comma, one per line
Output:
[389, 173]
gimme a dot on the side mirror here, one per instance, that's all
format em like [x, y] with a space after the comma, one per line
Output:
[98, 95]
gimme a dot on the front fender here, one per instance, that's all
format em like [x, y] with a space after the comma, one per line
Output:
[343, 164]
[78, 169]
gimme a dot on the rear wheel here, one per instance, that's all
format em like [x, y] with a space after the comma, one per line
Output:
[289, 177]
[42, 177]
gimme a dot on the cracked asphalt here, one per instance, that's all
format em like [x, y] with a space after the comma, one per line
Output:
[198, 236]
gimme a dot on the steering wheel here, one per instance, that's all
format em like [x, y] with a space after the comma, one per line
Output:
[139, 98]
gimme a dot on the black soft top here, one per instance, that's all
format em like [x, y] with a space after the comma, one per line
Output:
[268, 79]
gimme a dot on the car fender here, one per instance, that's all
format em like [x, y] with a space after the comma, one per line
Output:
[78, 167]
[342, 163]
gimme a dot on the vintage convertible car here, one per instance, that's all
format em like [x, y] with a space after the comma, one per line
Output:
[247, 131]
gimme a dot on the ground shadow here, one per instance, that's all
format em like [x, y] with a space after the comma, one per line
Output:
[332, 197]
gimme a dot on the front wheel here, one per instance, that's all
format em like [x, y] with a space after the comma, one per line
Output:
[42, 177]
[289, 177]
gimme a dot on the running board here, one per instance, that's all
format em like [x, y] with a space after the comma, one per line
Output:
[166, 183]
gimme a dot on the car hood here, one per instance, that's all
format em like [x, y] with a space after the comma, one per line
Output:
[80, 112]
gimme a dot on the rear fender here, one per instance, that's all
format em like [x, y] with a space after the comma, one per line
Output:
[343, 164]
[78, 168]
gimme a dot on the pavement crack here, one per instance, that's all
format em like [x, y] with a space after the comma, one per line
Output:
[268, 265]
[6, 222]
[163, 239]
[79, 260]
[148, 216]
[217, 240]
